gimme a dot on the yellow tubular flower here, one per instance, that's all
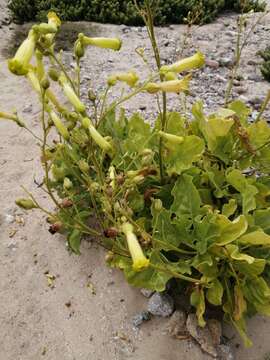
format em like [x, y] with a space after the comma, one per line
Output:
[19, 64]
[193, 62]
[138, 257]
[32, 77]
[170, 76]
[130, 78]
[70, 94]
[174, 86]
[98, 139]
[106, 43]
[51, 96]
[53, 19]
[63, 131]
[172, 139]
[12, 117]
[40, 66]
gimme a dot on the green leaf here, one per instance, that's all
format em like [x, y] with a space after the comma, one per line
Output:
[262, 219]
[229, 208]
[187, 200]
[138, 135]
[205, 232]
[135, 200]
[254, 269]
[149, 278]
[235, 254]
[74, 241]
[215, 293]
[183, 155]
[257, 237]
[198, 301]
[230, 230]
[241, 110]
[165, 232]
[248, 192]
[175, 124]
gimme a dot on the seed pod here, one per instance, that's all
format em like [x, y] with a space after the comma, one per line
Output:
[109, 256]
[111, 232]
[45, 83]
[53, 73]
[26, 204]
[66, 203]
[83, 166]
[148, 193]
[91, 95]
[55, 228]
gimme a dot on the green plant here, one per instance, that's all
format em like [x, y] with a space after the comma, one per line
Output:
[265, 68]
[187, 199]
[123, 11]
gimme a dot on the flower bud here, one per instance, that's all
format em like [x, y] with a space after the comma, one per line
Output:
[106, 43]
[53, 19]
[138, 257]
[19, 64]
[157, 204]
[67, 184]
[83, 166]
[13, 117]
[55, 228]
[111, 232]
[193, 62]
[79, 49]
[26, 204]
[152, 88]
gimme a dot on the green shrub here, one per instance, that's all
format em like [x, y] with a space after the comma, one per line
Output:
[265, 68]
[123, 12]
[187, 199]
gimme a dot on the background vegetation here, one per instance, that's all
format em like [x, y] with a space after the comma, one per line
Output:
[123, 11]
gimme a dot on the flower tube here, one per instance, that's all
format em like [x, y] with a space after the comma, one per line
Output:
[130, 78]
[106, 43]
[193, 62]
[99, 139]
[19, 64]
[70, 94]
[172, 139]
[59, 125]
[138, 257]
[174, 86]
[51, 27]
[12, 117]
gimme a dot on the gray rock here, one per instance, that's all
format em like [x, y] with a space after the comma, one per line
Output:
[226, 61]
[212, 63]
[256, 100]
[177, 323]
[201, 335]
[147, 293]
[225, 352]
[140, 318]
[160, 305]
[241, 90]
[254, 77]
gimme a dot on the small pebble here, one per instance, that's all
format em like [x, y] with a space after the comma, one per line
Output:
[160, 305]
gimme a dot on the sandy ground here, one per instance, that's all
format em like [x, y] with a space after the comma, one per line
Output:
[68, 321]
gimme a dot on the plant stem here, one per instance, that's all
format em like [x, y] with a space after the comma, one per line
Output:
[264, 106]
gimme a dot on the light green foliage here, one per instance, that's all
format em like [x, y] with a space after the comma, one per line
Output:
[193, 207]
